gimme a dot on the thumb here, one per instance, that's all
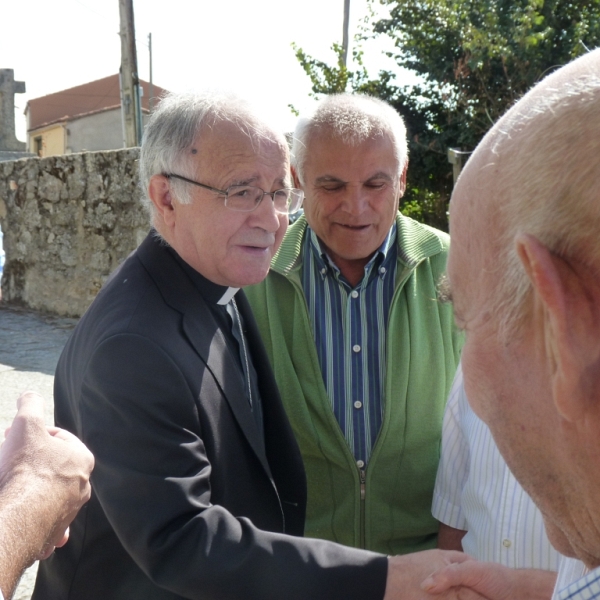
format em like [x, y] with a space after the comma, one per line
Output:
[31, 403]
[467, 574]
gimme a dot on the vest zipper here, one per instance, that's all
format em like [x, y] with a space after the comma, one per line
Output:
[363, 492]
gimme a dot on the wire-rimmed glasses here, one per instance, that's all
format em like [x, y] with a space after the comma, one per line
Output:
[245, 198]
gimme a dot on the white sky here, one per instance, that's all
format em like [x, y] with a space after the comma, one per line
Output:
[241, 44]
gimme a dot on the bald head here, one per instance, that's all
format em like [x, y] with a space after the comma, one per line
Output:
[524, 270]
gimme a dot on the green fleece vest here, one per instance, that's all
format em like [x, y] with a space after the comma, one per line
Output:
[390, 511]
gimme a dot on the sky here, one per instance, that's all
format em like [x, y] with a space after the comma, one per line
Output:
[244, 45]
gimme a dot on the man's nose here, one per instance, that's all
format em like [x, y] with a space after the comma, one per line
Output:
[355, 199]
[265, 215]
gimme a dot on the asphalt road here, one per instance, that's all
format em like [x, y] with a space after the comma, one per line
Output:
[30, 345]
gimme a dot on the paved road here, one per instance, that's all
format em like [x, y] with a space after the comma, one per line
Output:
[30, 345]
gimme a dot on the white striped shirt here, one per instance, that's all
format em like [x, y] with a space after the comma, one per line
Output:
[475, 491]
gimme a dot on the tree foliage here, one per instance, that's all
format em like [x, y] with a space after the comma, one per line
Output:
[474, 59]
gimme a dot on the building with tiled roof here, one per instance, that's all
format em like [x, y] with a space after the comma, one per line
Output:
[85, 117]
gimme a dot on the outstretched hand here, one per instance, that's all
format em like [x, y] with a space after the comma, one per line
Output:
[490, 581]
[406, 574]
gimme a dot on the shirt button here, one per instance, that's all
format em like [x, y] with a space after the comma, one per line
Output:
[506, 543]
[323, 270]
[360, 464]
[382, 270]
[356, 348]
[358, 404]
[354, 294]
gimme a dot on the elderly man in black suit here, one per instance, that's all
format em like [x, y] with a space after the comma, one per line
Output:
[199, 489]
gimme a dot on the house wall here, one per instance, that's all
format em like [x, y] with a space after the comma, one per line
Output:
[53, 140]
[68, 221]
[100, 131]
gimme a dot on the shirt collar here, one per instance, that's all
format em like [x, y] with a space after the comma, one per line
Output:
[211, 292]
[324, 261]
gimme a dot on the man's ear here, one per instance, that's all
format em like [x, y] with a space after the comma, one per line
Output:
[402, 183]
[159, 191]
[568, 298]
[295, 178]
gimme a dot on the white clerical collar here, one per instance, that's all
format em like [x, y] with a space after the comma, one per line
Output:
[230, 292]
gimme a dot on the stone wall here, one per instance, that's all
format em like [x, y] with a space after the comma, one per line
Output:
[68, 221]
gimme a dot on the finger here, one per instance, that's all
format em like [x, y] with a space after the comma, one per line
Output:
[46, 552]
[452, 557]
[68, 437]
[443, 579]
[29, 417]
[31, 401]
[62, 434]
[56, 540]
[31, 405]
[64, 539]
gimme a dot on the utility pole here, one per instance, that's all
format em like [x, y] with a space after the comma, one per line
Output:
[457, 158]
[345, 41]
[130, 83]
[151, 98]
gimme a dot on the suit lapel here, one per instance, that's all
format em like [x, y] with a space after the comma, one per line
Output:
[204, 334]
[220, 360]
[266, 378]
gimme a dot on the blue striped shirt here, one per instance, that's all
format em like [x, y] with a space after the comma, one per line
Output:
[570, 570]
[586, 588]
[349, 328]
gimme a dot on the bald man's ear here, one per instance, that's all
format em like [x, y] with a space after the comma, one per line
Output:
[159, 191]
[403, 180]
[295, 178]
[567, 309]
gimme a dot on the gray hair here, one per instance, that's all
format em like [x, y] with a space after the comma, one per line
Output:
[550, 185]
[174, 127]
[352, 118]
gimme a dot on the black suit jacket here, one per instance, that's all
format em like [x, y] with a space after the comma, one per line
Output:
[187, 501]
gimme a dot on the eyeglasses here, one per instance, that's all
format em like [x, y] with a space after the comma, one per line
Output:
[245, 198]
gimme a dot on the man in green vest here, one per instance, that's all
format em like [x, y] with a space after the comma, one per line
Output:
[363, 352]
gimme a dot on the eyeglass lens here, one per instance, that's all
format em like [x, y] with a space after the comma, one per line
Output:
[245, 198]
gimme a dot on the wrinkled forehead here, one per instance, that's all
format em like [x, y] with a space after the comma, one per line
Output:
[238, 137]
[241, 130]
[329, 150]
[239, 149]
[348, 138]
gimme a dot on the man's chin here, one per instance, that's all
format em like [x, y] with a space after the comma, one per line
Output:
[249, 277]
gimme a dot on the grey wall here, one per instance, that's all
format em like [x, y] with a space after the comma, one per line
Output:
[68, 221]
[101, 131]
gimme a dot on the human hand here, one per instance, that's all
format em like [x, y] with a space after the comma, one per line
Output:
[406, 573]
[52, 469]
[492, 581]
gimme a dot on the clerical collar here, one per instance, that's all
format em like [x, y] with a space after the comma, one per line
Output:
[230, 292]
[211, 292]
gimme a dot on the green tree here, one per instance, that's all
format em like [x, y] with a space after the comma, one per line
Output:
[474, 59]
